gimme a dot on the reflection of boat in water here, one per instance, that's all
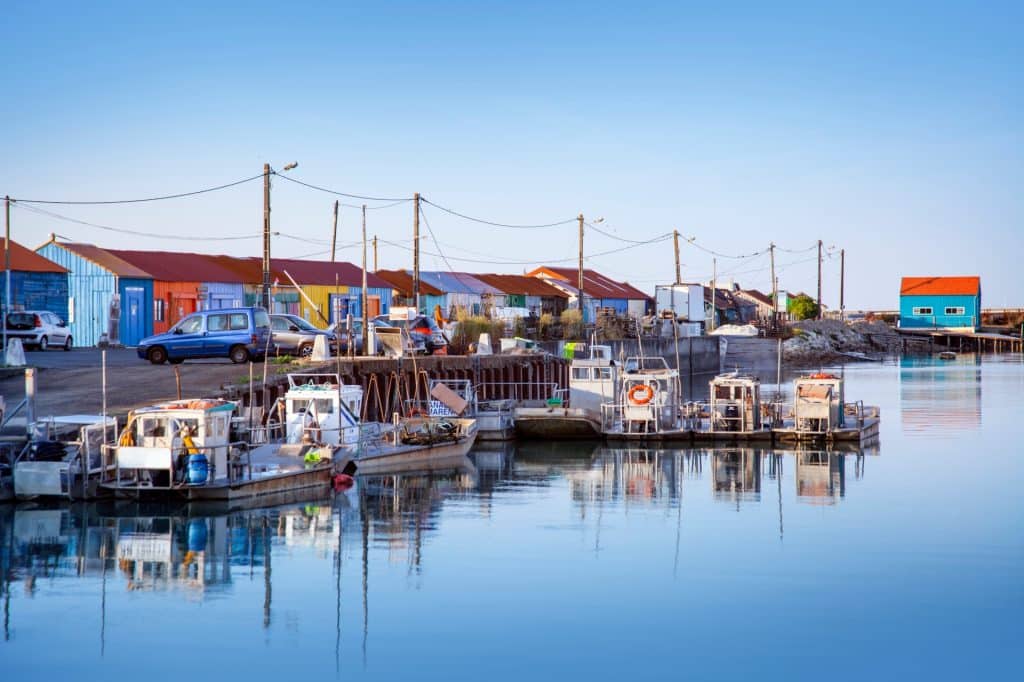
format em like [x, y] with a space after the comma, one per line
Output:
[736, 474]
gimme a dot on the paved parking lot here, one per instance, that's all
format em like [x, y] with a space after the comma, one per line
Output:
[71, 382]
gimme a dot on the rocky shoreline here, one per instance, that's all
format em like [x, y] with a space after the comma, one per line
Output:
[822, 341]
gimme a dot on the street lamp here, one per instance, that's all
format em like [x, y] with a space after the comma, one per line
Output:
[267, 172]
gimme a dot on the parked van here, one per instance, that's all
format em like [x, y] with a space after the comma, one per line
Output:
[235, 333]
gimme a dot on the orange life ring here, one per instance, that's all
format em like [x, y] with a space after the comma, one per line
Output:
[822, 375]
[637, 399]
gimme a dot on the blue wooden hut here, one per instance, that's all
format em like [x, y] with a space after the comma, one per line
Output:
[934, 302]
[36, 283]
[94, 276]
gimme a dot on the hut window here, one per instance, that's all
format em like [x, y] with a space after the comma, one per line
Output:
[159, 309]
[954, 311]
[923, 311]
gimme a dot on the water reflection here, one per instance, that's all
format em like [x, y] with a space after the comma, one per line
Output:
[940, 397]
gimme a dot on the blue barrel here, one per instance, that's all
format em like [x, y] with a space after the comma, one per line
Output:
[198, 469]
[197, 535]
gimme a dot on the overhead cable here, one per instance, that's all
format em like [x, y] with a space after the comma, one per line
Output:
[121, 230]
[146, 199]
[493, 223]
[396, 200]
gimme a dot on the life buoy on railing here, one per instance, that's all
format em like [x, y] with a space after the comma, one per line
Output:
[641, 394]
[823, 375]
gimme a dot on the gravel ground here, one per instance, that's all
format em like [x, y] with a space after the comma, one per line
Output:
[824, 340]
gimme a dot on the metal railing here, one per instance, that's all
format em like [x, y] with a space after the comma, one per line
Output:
[516, 390]
[238, 459]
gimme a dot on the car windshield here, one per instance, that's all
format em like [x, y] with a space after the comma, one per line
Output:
[302, 324]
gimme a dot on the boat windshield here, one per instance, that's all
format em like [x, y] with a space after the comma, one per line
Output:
[646, 365]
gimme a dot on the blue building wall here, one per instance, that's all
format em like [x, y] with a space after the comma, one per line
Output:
[38, 291]
[620, 305]
[90, 290]
[919, 312]
[221, 295]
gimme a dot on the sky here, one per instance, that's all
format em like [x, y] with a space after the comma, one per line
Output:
[893, 131]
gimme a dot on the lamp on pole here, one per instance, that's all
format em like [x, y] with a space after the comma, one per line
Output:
[267, 172]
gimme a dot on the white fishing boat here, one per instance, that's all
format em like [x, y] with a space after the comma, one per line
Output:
[62, 457]
[820, 412]
[648, 406]
[593, 382]
[734, 411]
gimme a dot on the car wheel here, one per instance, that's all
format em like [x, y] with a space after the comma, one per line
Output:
[238, 354]
[67, 344]
[43, 345]
[305, 350]
[157, 355]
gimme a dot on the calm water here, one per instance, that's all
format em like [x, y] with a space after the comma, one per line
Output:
[570, 561]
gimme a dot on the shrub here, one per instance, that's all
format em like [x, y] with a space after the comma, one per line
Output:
[469, 329]
[803, 308]
[572, 324]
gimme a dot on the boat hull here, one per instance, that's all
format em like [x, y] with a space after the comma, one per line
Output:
[557, 423]
[414, 457]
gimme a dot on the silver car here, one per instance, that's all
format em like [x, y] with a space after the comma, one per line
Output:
[39, 328]
[293, 335]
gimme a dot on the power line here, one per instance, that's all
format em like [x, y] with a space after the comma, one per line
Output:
[140, 201]
[396, 200]
[693, 242]
[121, 230]
[496, 224]
[621, 239]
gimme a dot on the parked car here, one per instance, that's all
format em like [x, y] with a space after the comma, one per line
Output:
[296, 336]
[235, 333]
[341, 332]
[38, 328]
[422, 330]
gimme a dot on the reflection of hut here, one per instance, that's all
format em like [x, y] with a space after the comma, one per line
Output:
[735, 403]
[736, 473]
[820, 477]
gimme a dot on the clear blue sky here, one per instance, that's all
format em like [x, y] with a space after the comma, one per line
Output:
[893, 130]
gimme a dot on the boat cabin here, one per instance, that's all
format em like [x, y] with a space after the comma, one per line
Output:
[158, 440]
[735, 403]
[818, 403]
[318, 408]
[593, 379]
[649, 395]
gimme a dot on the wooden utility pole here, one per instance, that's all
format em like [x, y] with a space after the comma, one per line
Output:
[266, 237]
[579, 281]
[366, 299]
[819, 279]
[416, 250]
[714, 290]
[675, 239]
[375, 253]
[775, 289]
[334, 233]
[842, 284]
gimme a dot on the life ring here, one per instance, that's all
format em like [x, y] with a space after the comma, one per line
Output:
[822, 375]
[640, 394]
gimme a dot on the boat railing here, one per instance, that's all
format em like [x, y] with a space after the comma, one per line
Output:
[153, 459]
[517, 391]
[860, 411]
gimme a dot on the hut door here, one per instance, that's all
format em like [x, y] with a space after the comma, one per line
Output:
[133, 317]
[372, 306]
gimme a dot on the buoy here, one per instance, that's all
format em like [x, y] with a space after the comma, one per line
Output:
[343, 482]
[640, 394]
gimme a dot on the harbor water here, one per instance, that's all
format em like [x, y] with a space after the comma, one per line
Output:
[535, 561]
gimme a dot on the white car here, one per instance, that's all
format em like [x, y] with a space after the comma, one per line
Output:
[39, 328]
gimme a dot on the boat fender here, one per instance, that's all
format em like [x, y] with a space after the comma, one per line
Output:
[343, 482]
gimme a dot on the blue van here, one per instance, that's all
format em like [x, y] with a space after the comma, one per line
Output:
[235, 333]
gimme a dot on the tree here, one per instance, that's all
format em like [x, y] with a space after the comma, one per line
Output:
[803, 307]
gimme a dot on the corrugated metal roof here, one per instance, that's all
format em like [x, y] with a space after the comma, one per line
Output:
[401, 281]
[105, 259]
[595, 284]
[940, 286]
[522, 285]
[169, 266]
[323, 273]
[757, 296]
[27, 260]
[457, 283]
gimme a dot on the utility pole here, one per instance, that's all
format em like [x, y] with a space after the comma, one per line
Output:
[579, 282]
[334, 233]
[714, 290]
[7, 274]
[375, 253]
[416, 250]
[819, 279]
[366, 316]
[675, 239]
[842, 284]
[266, 237]
[775, 289]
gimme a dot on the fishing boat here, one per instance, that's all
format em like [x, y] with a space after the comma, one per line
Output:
[593, 382]
[820, 412]
[62, 457]
[648, 405]
[734, 411]
[495, 418]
